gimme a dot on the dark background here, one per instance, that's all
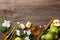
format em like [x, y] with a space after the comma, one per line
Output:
[37, 11]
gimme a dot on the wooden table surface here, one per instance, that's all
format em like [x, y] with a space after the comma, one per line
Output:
[38, 12]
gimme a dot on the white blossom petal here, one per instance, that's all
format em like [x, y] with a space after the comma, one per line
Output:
[6, 24]
[17, 32]
[24, 31]
[27, 38]
[28, 32]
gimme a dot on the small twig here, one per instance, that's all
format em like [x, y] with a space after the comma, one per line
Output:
[12, 34]
[46, 26]
[6, 36]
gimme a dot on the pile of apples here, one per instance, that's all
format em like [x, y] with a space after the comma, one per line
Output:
[53, 32]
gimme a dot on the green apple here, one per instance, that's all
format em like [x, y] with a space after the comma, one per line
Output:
[54, 30]
[18, 38]
[49, 36]
[52, 25]
[43, 37]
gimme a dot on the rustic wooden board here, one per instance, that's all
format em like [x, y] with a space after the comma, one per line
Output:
[38, 12]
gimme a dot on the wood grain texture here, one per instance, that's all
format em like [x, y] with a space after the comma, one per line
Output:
[37, 11]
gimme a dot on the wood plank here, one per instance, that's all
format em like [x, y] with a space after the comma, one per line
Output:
[38, 12]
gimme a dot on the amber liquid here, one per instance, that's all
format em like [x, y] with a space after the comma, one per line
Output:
[35, 30]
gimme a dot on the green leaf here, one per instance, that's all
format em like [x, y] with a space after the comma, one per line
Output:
[3, 29]
[3, 18]
[45, 32]
[31, 37]
[23, 35]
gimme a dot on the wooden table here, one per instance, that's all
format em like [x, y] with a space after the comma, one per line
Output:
[38, 13]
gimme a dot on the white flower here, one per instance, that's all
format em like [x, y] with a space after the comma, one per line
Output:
[56, 22]
[6, 24]
[22, 26]
[18, 22]
[40, 26]
[17, 32]
[27, 38]
[28, 32]
[24, 31]
[28, 24]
